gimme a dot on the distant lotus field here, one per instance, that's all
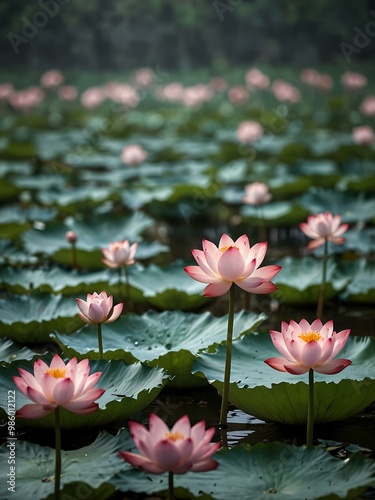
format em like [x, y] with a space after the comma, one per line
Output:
[163, 243]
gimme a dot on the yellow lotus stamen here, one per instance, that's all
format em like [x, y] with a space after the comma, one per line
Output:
[309, 336]
[224, 249]
[56, 372]
[174, 436]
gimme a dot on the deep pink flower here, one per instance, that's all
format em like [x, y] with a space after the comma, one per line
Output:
[363, 135]
[69, 386]
[119, 253]
[257, 193]
[232, 262]
[179, 450]
[249, 131]
[133, 154]
[306, 347]
[323, 227]
[98, 308]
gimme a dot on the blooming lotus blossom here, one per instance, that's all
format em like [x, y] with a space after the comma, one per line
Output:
[219, 84]
[98, 308]
[232, 262]
[257, 193]
[69, 386]
[196, 95]
[51, 79]
[367, 106]
[133, 154]
[179, 450]
[353, 81]
[92, 97]
[144, 77]
[171, 92]
[238, 95]
[6, 90]
[256, 79]
[26, 99]
[67, 93]
[306, 347]
[119, 253]
[310, 77]
[249, 131]
[323, 227]
[363, 135]
[122, 93]
[285, 92]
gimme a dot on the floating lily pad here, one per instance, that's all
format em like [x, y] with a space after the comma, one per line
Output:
[170, 339]
[31, 318]
[128, 390]
[72, 199]
[274, 470]
[36, 465]
[361, 286]
[300, 281]
[279, 213]
[276, 396]
[10, 352]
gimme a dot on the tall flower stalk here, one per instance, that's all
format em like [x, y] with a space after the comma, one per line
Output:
[323, 228]
[57, 453]
[232, 262]
[306, 348]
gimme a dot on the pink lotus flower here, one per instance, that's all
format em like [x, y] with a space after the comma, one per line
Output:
[51, 79]
[363, 135]
[92, 97]
[119, 253]
[179, 450]
[69, 386]
[122, 93]
[257, 193]
[367, 106]
[197, 95]
[26, 99]
[144, 77]
[219, 84]
[285, 92]
[172, 92]
[98, 308]
[6, 90]
[310, 77]
[249, 131]
[306, 347]
[256, 79]
[323, 227]
[353, 81]
[232, 262]
[71, 236]
[133, 154]
[238, 95]
[67, 93]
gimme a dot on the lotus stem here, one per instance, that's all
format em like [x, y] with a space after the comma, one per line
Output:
[170, 485]
[57, 453]
[310, 410]
[228, 359]
[100, 341]
[127, 287]
[74, 256]
[319, 312]
[262, 234]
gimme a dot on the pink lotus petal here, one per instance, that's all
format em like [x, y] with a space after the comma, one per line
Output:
[34, 411]
[332, 367]
[217, 289]
[117, 310]
[277, 363]
[142, 462]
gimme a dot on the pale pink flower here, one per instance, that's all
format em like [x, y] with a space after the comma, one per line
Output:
[71, 236]
[122, 93]
[133, 154]
[144, 77]
[232, 262]
[69, 386]
[249, 131]
[323, 227]
[219, 84]
[197, 95]
[98, 308]
[92, 97]
[310, 77]
[353, 81]
[119, 253]
[325, 82]
[6, 90]
[367, 106]
[306, 347]
[51, 79]
[179, 450]
[172, 92]
[257, 193]
[67, 93]
[363, 135]
[256, 79]
[238, 95]
[27, 99]
[285, 92]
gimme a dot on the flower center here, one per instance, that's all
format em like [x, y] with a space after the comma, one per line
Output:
[174, 436]
[309, 336]
[224, 249]
[56, 372]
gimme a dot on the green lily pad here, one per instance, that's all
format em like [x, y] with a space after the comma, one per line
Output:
[35, 466]
[170, 339]
[10, 352]
[278, 213]
[73, 199]
[276, 396]
[352, 207]
[274, 470]
[361, 286]
[128, 390]
[31, 318]
[300, 281]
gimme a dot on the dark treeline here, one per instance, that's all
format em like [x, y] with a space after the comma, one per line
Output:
[183, 34]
